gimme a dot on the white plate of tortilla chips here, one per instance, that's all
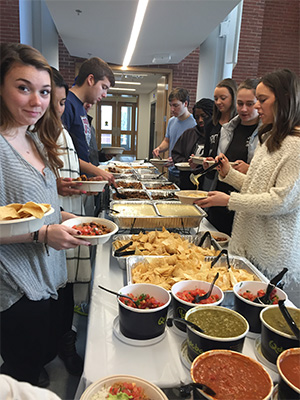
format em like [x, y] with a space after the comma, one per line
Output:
[19, 219]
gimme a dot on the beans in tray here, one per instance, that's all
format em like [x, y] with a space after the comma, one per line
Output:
[132, 194]
[160, 187]
[162, 196]
[130, 185]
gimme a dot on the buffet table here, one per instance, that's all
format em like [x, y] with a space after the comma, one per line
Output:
[106, 354]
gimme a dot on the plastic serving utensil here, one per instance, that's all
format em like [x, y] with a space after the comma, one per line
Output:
[287, 316]
[161, 174]
[194, 178]
[184, 321]
[265, 299]
[206, 295]
[119, 195]
[119, 295]
[185, 390]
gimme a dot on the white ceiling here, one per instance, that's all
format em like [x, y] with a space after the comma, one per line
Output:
[172, 29]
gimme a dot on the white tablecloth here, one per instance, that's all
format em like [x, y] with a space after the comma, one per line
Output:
[106, 355]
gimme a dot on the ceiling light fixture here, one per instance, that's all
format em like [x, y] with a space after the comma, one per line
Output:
[122, 89]
[139, 16]
[128, 83]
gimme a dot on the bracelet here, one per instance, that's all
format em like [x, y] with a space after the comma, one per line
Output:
[35, 237]
[46, 240]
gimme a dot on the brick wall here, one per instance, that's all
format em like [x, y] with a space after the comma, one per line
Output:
[9, 21]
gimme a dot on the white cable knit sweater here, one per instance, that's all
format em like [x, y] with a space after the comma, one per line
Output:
[266, 227]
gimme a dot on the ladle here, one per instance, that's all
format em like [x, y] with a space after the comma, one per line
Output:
[184, 321]
[120, 295]
[287, 316]
[194, 178]
[198, 298]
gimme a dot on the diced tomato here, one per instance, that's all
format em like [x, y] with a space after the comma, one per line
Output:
[250, 296]
[145, 301]
[190, 295]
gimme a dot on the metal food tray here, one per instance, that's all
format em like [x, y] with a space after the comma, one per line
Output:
[124, 191]
[235, 261]
[153, 185]
[122, 260]
[129, 182]
[163, 195]
[157, 221]
[152, 177]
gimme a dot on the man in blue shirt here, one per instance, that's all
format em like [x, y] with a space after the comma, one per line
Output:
[180, 121]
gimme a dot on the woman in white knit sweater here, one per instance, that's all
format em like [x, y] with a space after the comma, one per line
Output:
[266, 227]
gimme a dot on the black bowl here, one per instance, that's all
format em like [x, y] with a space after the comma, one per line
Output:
[146, 323]
[286, 389]
[275, 341]
[199, 342]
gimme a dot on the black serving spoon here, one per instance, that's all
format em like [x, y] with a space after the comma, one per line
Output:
[161, 174]
[216, 259]
[287, 316]
[198, 298]
[118, 194]
[120, 295]
[184, 321]
[185, 390]
[265, 299]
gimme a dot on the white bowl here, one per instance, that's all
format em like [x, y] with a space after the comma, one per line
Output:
[198, 160]
[223, 237]
[183, 166]
[92, 186]
[112, 150]
[151, 390]
[190, 196]
[15, 227]
[94, 240]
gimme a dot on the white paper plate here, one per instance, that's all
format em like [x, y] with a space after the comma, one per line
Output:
[94, 240]
[92, 186]
[134, 342]
[157, 161]
[212, 162]
[183, 166]
[198, 160]
[186, 198]
[112, 150]
[15, 227]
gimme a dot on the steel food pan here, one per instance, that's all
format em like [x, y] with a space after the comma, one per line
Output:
[163, 195]
[133, 194]
[122, 260]
[129, 184]
[166, 185]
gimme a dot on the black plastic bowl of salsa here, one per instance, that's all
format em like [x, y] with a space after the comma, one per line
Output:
[223, 327]
[244, 294]
[143, 324]
[232, 376]
[180, 306]
[288, 365]
[276, 335]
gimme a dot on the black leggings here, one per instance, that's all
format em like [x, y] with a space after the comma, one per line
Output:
[30, 331]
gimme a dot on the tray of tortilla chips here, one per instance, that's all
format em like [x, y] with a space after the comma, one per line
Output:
[160, 243]
[19, 219]
[165, 271]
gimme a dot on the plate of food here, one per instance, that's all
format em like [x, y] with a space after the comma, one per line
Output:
[19, 219]
[94, 230]
[183, 166]
[158, 161]
[89, 184]
[189, 196]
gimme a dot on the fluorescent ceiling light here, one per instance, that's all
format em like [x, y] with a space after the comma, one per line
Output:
[139, 16]
[122, 89]
[135, 74]
[128, 83]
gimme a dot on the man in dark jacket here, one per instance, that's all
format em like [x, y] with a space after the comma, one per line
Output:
[192, 140]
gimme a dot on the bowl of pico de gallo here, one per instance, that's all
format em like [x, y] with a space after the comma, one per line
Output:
[146, 318]
[123, 387]
[245, 294]
[184, 297]
[92, 229]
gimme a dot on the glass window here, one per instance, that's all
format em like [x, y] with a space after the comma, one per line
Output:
[126, 141]
[106, 117]
[126, 120]
[106, 139]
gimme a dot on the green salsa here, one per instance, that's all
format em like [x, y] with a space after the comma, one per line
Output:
[274, 318]
[218, 322]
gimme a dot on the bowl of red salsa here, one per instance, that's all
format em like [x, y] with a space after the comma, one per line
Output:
[232, 376]
[184, 293]
[288, 365]
[147, 320]
[244, 295]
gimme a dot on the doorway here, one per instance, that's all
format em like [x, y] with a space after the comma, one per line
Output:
[152, 129]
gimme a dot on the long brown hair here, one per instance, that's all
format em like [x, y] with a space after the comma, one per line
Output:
[285, 85]
[231, 86]
[48, 127]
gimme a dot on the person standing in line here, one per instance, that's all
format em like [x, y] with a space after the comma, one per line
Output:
[180, 121]
[237, 140]
[266, 228]
[94, 79]
[192, 141]
[32, 265]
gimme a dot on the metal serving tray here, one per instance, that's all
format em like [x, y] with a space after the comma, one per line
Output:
[129, 184]
[235, 261]
[152, 185]
[163, 195]
[122, 260]
[141, 192]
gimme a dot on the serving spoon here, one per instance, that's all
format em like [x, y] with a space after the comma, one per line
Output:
[185, 390]
[287, 316]
[184, 321]
[119, 295]
[198, 298]
[265, 299]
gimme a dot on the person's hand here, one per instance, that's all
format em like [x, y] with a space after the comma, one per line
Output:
[205, 163]
[224, 167]
[190, 161]
[169, 163]
[156, 152]
[106, 176]
[67, 187]
[214, 199]
[61, 237]
[241, 166]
